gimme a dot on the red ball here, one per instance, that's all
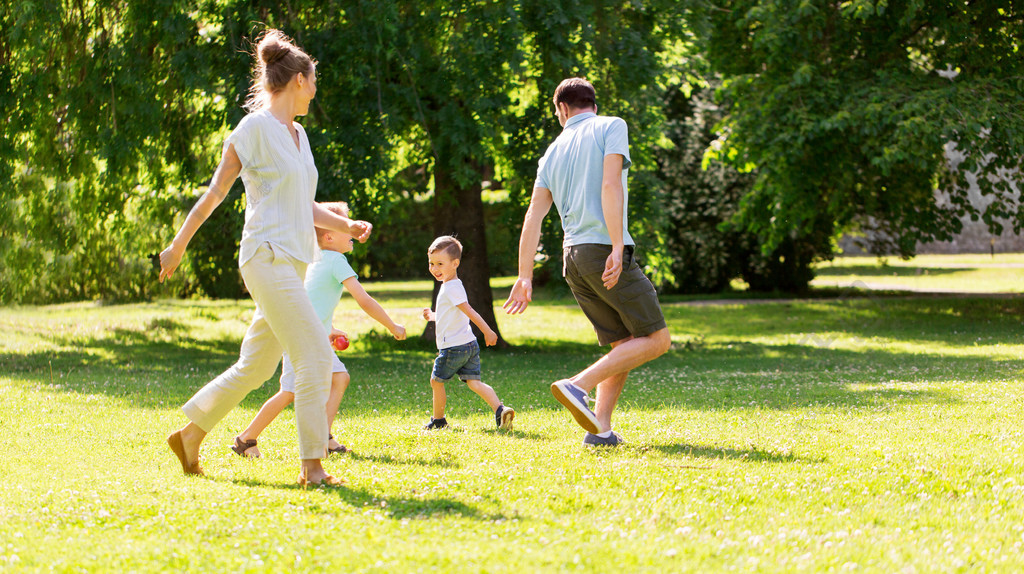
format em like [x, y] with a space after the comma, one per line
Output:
[341, 343]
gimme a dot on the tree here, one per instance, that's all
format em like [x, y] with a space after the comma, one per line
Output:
[843, 110]
[116, 111]
[104, 106]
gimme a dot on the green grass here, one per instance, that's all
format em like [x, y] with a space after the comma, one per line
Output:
[866, 434]
[1003, 273]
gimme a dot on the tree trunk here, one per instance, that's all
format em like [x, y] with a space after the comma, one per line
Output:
[459, 211]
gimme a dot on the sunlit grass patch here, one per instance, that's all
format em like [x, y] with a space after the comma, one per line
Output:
[858, 434]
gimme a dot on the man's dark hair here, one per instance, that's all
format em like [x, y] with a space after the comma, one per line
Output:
[576, 92]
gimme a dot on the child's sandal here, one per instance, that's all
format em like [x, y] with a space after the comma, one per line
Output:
[242, 448]
[340, 449]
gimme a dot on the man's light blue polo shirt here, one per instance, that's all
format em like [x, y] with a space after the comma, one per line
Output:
[572, 169]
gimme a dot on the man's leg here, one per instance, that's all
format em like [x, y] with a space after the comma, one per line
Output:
[608, 375]
[625, 356]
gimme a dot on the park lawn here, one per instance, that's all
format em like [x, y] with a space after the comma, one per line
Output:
[861, 434]
[1001, 273]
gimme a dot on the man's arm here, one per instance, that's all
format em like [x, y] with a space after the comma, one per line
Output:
[612, 207]
[529, 240]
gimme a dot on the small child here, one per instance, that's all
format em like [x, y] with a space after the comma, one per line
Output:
[324, 281]
[458, 350]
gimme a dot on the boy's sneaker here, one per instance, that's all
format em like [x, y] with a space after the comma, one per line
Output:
[435, 424]
[503, 417]
[591, 439]
[575, 399]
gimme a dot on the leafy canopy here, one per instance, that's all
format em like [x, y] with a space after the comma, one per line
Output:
[845, 109]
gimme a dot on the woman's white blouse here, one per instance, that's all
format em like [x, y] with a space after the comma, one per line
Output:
[280, 187]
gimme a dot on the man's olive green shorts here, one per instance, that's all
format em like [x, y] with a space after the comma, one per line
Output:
[630, 308]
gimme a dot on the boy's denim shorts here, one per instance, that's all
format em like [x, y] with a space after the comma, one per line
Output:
[461, 360]
[630, 308]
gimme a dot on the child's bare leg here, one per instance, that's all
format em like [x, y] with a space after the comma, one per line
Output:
[440, 398]
[339, 382]
[268, 412]
[486, 393]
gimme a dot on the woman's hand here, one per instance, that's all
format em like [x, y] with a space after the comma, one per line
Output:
[360, 230]
[170, 258]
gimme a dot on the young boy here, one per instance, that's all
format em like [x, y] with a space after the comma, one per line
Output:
[458, 351]
[324, 281]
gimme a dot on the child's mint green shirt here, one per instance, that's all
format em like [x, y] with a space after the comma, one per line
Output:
[324, 280]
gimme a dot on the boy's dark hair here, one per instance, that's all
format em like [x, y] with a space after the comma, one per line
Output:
[447, 244]
[576, 92]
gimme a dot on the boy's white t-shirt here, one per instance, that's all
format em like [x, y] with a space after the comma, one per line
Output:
[452, 328]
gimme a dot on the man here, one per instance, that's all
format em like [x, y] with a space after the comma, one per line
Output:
[583, 173]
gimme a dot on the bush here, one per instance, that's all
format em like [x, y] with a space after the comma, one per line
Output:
[707, 251]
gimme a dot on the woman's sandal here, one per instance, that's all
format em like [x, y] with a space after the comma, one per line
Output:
[325, 481]
[242, 448]
[341, 449]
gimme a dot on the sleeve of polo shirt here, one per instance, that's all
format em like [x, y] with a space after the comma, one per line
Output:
[617, 141]
[542, 180]
[242, 137]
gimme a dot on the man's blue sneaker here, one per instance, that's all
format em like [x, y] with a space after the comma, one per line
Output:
[503, 417]
[591, 439]
[575, 399]
[435, 424]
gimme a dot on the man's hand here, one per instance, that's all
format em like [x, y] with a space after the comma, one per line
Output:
[612, 268]
[520, 297]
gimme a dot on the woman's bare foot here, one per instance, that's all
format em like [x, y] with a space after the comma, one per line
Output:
[185, 444]
[313, 474]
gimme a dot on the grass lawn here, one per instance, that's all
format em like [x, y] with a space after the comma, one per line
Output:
[1002, 273]
[852, 434]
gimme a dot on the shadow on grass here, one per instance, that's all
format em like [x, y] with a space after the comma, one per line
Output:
[388, 459]
[412, 507]
[721, 453]
[719, 364]
[518, 434]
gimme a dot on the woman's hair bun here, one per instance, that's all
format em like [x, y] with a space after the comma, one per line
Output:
[278, 59]
[272, 49]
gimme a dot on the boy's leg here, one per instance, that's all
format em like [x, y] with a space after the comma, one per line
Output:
[440, 398]
[268, 412]
[339, 382]
[486, 393]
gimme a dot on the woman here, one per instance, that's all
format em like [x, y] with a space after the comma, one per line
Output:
[271, 153]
